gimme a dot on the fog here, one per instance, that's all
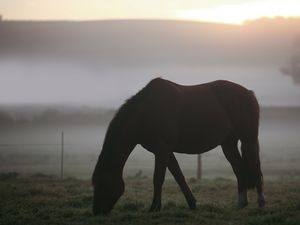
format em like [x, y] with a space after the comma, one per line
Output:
[34, 146]
[49, 83]
[72, 76]
[101, 63]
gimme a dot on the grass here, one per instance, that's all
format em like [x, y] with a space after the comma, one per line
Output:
[41, 199]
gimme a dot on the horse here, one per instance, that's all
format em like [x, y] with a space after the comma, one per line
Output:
[165, 117]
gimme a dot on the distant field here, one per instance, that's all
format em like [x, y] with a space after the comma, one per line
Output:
[35, 148]
[40, 199]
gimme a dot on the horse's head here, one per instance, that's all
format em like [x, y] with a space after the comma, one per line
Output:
[108, 174]
[107, 190]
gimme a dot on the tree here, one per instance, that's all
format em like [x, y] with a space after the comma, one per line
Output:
[293, 67]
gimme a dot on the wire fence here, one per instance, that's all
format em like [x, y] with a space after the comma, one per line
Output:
[65, 159]
[39, 150]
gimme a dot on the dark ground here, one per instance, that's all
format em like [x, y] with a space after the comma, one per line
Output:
[41, 199]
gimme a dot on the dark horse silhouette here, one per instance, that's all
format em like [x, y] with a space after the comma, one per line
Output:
[165, 117]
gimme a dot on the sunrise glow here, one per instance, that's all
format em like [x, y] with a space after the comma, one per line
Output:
[239, 13]
[220, 11]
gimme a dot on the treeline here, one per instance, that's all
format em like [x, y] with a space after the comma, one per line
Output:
[55, 117]
[6, 119]
[104, 44]
[103, 117]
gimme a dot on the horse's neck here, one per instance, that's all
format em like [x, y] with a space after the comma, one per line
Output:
[118, 144]
[114, 157]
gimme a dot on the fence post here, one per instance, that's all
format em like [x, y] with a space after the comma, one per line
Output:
[199, 167]
[62, 156]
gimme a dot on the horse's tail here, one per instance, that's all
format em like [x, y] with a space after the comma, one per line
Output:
[250, 149]
[250, 155]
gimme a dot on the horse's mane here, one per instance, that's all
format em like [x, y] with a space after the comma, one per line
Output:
[123, 112]
[114, 127]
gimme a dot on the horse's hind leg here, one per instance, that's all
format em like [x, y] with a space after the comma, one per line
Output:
[250, 150]
[175, 170]
[232, 154]
[260, 194]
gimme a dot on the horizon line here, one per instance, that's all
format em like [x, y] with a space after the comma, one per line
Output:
[245, 22]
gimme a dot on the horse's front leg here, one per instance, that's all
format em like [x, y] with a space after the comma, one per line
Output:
[162, 156]
[175, 170]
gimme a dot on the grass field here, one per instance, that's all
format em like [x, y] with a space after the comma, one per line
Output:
[40, 199]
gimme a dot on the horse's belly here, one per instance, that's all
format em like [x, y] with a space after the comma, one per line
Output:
[198, 139]
[195, 149]
[197, 146]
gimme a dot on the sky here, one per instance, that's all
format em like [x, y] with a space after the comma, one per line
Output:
[229, 11]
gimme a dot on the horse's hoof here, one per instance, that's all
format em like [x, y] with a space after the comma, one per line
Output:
[155, 208]
[192, 205]
[261, 203]
[242, 200]
[243, 204]
[261, 200]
